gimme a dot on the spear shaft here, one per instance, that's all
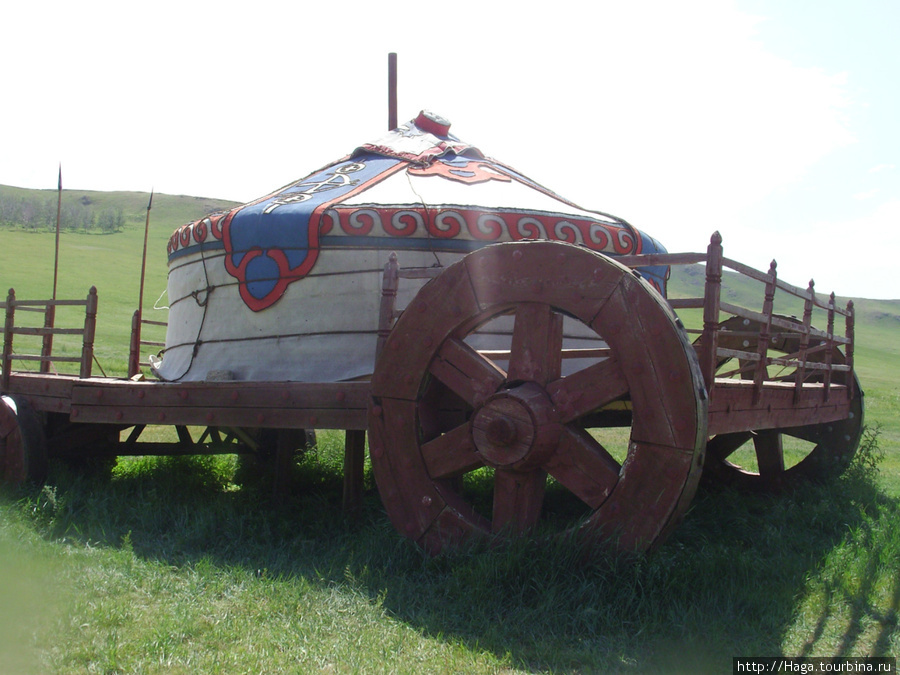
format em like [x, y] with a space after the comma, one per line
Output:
[56, 248]
[144, 255]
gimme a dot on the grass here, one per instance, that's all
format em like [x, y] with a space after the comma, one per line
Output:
[177, 565]
[171, 567]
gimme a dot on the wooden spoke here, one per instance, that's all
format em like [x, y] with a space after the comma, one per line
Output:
[451, 454]
[518, 497]
[583, 466]
[465, 372]
[724, 445]
[536, 344]
[769, 453]
[588, 389]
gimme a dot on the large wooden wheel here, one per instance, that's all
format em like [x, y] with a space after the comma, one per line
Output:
[467, 443]
[23, 448]
[769, 460]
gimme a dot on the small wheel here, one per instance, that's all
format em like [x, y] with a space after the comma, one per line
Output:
[23, 447]
[467, 442]
[772, 459]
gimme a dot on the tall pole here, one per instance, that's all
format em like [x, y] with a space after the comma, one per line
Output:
[134, 355]
[58, 214]
[144, 254]
[392, 91]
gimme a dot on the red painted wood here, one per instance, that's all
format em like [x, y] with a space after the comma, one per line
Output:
[664, 385]
[769, 453]
[433, 314]
[588, 389]
[543, 272]
[518, 497]
[451, 454]
[466, 373]
[354, 470]
[584, 467]
[639, 513]
[732, 407]
[518, 428]
[536, 353]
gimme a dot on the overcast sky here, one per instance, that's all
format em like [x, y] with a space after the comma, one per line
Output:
[776, 122]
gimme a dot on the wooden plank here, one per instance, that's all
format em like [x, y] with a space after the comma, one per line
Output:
[656, 487]
[27, 330]
[198, 415]
[655, 362]
[685, 303]
[407, 493]
[731, 406]
[228, 394]
[653, 259]
[543, 272]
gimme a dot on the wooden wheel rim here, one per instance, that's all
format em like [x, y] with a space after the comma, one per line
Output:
[832, 444]
[23, 445]
[634, 505]
[12, 451]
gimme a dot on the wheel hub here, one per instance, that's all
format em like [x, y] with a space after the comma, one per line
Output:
[516, 428]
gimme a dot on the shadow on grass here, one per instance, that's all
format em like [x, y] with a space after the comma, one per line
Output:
[813, 572]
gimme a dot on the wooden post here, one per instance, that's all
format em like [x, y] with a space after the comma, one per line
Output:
[711, 299]
[392, 91]
[8, 337]
[765, 333]
[90, 328]
[47, 340]
[829, 345]
[134, 350]
[800, 373]
[137, 323]
[354, 466]
[58, 217]
[389, 283]
[851, 319]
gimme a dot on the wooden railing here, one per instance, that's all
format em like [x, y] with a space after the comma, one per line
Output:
[46, 359]
[714, 330]
[138, 342]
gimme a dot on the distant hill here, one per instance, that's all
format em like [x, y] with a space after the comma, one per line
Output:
[89, 210]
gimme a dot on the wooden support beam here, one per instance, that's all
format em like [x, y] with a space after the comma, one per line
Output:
[354, 465]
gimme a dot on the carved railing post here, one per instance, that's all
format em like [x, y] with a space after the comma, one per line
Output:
[8, 326]
[829, 346]
[389, 284]
[800, 373]
[134, 350]
[90, 328]
[851, 319]
[711, 299]
[765, 333]
[47, 340]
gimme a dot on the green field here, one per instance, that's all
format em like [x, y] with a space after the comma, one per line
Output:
[184, 565]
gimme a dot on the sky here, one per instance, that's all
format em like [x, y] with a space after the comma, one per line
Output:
[774, 122]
